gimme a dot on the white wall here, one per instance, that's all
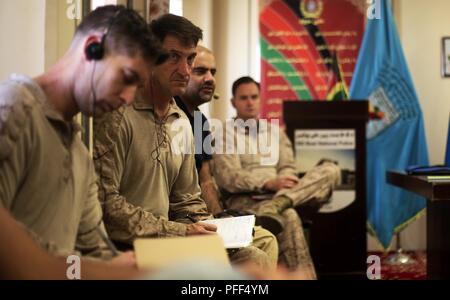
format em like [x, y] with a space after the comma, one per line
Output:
[231, 31]
[421, 25]
[200, 12]
[231, 44]
[22, 36]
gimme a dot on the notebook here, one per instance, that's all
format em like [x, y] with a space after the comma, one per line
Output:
[157, 253]
[236, 232]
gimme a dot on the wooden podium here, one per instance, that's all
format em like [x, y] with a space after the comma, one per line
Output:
[338, 241]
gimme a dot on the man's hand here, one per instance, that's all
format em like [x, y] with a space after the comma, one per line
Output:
[200, 228]
[282, 182]
[126, 259]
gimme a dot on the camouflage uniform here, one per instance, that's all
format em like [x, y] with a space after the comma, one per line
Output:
[147, 185]
[293, 248]
[47, 179]
[263, 239]
[244, 175]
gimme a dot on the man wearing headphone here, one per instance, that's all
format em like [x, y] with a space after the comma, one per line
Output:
[47, 179]
[146, 187]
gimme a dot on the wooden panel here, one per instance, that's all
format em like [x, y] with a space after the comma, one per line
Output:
[338, 240]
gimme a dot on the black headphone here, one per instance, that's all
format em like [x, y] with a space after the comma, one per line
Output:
[96, 50]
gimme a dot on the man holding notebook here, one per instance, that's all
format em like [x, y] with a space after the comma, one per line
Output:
[200, 90]
[148, 189]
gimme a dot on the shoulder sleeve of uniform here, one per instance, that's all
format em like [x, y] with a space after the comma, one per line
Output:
[15, 110]
[124, 221]
[106, 130]
[15, 140]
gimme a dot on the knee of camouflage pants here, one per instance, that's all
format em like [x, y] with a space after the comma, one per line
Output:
[267, 242]
[250, 253]
[294, 250]
[333, 172]
[317, 183]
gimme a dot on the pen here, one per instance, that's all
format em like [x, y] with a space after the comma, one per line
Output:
[108, 242]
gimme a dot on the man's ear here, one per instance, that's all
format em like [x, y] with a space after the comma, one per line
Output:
[93, 48]
[232, 102]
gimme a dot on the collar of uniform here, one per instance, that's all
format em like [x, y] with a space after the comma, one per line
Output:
[184, 108]
[47, 107]
[141, 104]
[54, 116]
[246, 128]
[181, 105]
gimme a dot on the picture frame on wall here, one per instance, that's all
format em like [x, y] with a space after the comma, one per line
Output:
[445, 57]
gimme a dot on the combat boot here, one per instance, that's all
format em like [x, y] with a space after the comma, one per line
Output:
[269, 214]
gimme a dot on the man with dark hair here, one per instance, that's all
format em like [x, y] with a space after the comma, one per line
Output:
[245, 176]
[243, 80]
[179, 28]
[123, 32]
[141, 181]
[147, 187]
[200, 90]
[47, 179]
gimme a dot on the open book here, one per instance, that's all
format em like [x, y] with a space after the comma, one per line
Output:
[235, 232]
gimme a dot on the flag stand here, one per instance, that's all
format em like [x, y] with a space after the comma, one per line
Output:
[399, 257]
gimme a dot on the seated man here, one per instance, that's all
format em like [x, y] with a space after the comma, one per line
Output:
[147, 188]
[200, 90]
[22, 258]
[47, 179]
[245, 175]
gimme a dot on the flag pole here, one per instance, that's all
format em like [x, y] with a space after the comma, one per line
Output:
[447, 151]
[399, 257]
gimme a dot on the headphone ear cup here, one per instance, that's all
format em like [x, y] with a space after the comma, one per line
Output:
[94, 51]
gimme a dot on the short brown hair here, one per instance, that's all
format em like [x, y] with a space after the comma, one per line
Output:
[243, 80]
[179, 27]
[126, 31]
